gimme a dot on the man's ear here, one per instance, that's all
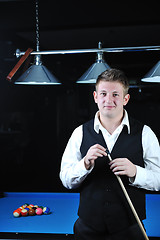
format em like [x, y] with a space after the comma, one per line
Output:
[126, 99]
[95, 96]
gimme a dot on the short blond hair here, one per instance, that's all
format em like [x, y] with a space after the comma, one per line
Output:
[114, 75]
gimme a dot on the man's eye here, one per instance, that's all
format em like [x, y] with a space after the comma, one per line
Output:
[115, 94]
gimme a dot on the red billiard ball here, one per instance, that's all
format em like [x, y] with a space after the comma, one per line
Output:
[31, 205]
[24, 212]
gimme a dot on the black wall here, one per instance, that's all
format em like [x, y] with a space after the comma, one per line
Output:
[37, 121]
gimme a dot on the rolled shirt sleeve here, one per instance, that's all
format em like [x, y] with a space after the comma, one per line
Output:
[149, 177]
[73, 171]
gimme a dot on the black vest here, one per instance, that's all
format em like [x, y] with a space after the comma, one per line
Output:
[102, 202]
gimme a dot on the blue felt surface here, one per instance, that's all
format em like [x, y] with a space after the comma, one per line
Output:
[64, 208]
[63, 213]
[152, 221]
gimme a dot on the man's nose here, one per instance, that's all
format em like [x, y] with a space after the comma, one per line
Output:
[108, 98]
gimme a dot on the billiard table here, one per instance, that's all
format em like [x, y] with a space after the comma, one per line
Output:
[63, 213]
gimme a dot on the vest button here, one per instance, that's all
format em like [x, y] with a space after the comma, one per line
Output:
[108, 189]
[107, 204]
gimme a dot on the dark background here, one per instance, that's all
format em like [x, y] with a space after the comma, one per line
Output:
[36, 121]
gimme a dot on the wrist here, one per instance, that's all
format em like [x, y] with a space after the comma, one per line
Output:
[87, 164]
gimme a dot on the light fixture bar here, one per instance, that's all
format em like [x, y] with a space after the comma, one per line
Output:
[118, 49]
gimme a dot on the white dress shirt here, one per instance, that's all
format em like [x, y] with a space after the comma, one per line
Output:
[73, 171]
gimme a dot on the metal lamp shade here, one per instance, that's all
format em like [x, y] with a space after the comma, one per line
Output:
[90, 76]
[37, 75]
[153, 75]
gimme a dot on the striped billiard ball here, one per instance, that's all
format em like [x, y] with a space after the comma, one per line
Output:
[46, 210]
[17, 213]
[24, 212]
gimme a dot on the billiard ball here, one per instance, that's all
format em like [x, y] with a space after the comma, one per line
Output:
[24, 212]
[46, 210]
[27, 208]
[34, 208]
[24, 206]
[31, 212]
[19, 209]
[39, 211]
[17, 213]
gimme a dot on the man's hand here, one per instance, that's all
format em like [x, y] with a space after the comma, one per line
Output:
[93, 153]
[122, 166]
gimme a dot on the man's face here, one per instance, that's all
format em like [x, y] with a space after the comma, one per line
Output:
[110, 99]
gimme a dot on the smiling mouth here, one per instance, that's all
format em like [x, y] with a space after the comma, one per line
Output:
[109, 107]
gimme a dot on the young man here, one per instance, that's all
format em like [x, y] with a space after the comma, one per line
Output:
[104, 213]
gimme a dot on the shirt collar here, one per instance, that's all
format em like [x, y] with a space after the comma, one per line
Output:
[125, 121]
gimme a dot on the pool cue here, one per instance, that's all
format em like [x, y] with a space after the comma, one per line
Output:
[19, 63]
[129, 201]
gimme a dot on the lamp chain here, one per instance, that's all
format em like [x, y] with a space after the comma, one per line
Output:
[37, 26]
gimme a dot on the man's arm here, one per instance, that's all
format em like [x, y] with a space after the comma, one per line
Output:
[73, 171]
[148, 177]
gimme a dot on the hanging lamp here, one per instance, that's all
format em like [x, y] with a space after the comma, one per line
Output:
[37, 74]
[90, 76]
[153, 75]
